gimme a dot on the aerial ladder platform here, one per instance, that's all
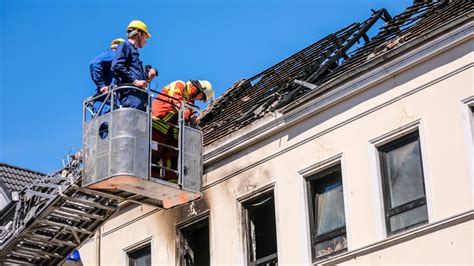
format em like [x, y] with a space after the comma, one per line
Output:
[57, 214]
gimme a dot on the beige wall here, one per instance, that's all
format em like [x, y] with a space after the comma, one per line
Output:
[428, 95]
[451, 245]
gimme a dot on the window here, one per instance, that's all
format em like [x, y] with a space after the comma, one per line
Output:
[140, 256]
[259, 214]
[193, 244]
[327, 213]
[472, 120]
[5, 199]
[403, 184]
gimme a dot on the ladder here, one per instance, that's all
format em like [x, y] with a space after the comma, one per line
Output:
[57, 214]
[53, 217]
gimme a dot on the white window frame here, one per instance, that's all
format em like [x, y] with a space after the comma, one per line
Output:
[313, 169]
[376, 172]
[136, 246]
[271, 187]
[468, 122]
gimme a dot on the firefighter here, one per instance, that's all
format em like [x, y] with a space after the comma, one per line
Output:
[165, 112]
[129, 68]
[102, 74]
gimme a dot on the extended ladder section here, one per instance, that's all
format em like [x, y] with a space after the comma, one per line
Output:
[120, 153]
[53, 217]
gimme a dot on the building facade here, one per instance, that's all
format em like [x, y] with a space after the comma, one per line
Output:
[370, 163]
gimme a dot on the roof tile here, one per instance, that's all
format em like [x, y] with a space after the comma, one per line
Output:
[16, 178]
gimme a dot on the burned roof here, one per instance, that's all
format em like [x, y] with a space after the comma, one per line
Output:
[16, 178]
[332, 57]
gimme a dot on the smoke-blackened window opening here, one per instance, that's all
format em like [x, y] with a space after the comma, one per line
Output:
[261, 230]
[193, 244]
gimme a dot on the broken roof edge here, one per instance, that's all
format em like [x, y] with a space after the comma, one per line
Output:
[274, 82]
[379, 60]
[270, 125]
[243, 84]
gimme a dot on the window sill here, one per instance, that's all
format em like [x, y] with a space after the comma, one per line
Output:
[272, 258]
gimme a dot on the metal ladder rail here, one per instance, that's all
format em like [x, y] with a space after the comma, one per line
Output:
[53, 218]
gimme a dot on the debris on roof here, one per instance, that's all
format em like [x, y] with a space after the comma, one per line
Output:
[331, 57]
[420, 18]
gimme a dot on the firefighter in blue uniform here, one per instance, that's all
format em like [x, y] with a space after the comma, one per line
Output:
[102, 75]
[129, 68]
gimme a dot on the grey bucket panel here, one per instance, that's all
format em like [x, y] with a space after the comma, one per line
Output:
[192, 159]
[116, 158]
[124, 149]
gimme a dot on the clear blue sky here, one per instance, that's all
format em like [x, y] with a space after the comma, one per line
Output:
[46, 47]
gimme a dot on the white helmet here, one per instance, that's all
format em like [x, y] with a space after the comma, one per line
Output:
[206, 87]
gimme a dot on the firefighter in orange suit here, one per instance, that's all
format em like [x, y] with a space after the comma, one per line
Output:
[165, 112]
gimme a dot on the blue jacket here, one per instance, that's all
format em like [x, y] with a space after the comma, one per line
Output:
[127, 64]
[101, 72]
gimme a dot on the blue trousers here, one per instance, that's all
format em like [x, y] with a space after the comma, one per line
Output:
[133, 99]
[98, 103]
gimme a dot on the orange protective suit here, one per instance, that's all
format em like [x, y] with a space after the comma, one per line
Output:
[165, 114]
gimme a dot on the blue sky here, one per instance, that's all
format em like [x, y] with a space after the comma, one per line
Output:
[46, 47]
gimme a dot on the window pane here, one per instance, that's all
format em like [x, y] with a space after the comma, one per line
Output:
[404, 173]
[330, 212]
[329, 236]
[142, 261]
[408, 218]
[3, 201]
[330, 246]
[141, 257]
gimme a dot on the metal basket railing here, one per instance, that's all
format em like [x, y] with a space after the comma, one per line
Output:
[188, 132]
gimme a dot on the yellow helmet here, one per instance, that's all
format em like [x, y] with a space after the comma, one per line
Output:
[137, 24]
[115, 42]
[206, 87]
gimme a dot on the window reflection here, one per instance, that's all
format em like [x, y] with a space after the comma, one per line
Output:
[330, 210]
[331, 246]
[403, 184]
[404, 172]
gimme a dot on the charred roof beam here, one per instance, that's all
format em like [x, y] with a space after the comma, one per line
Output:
[305, 84]
[359, 32]
[356, 32]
